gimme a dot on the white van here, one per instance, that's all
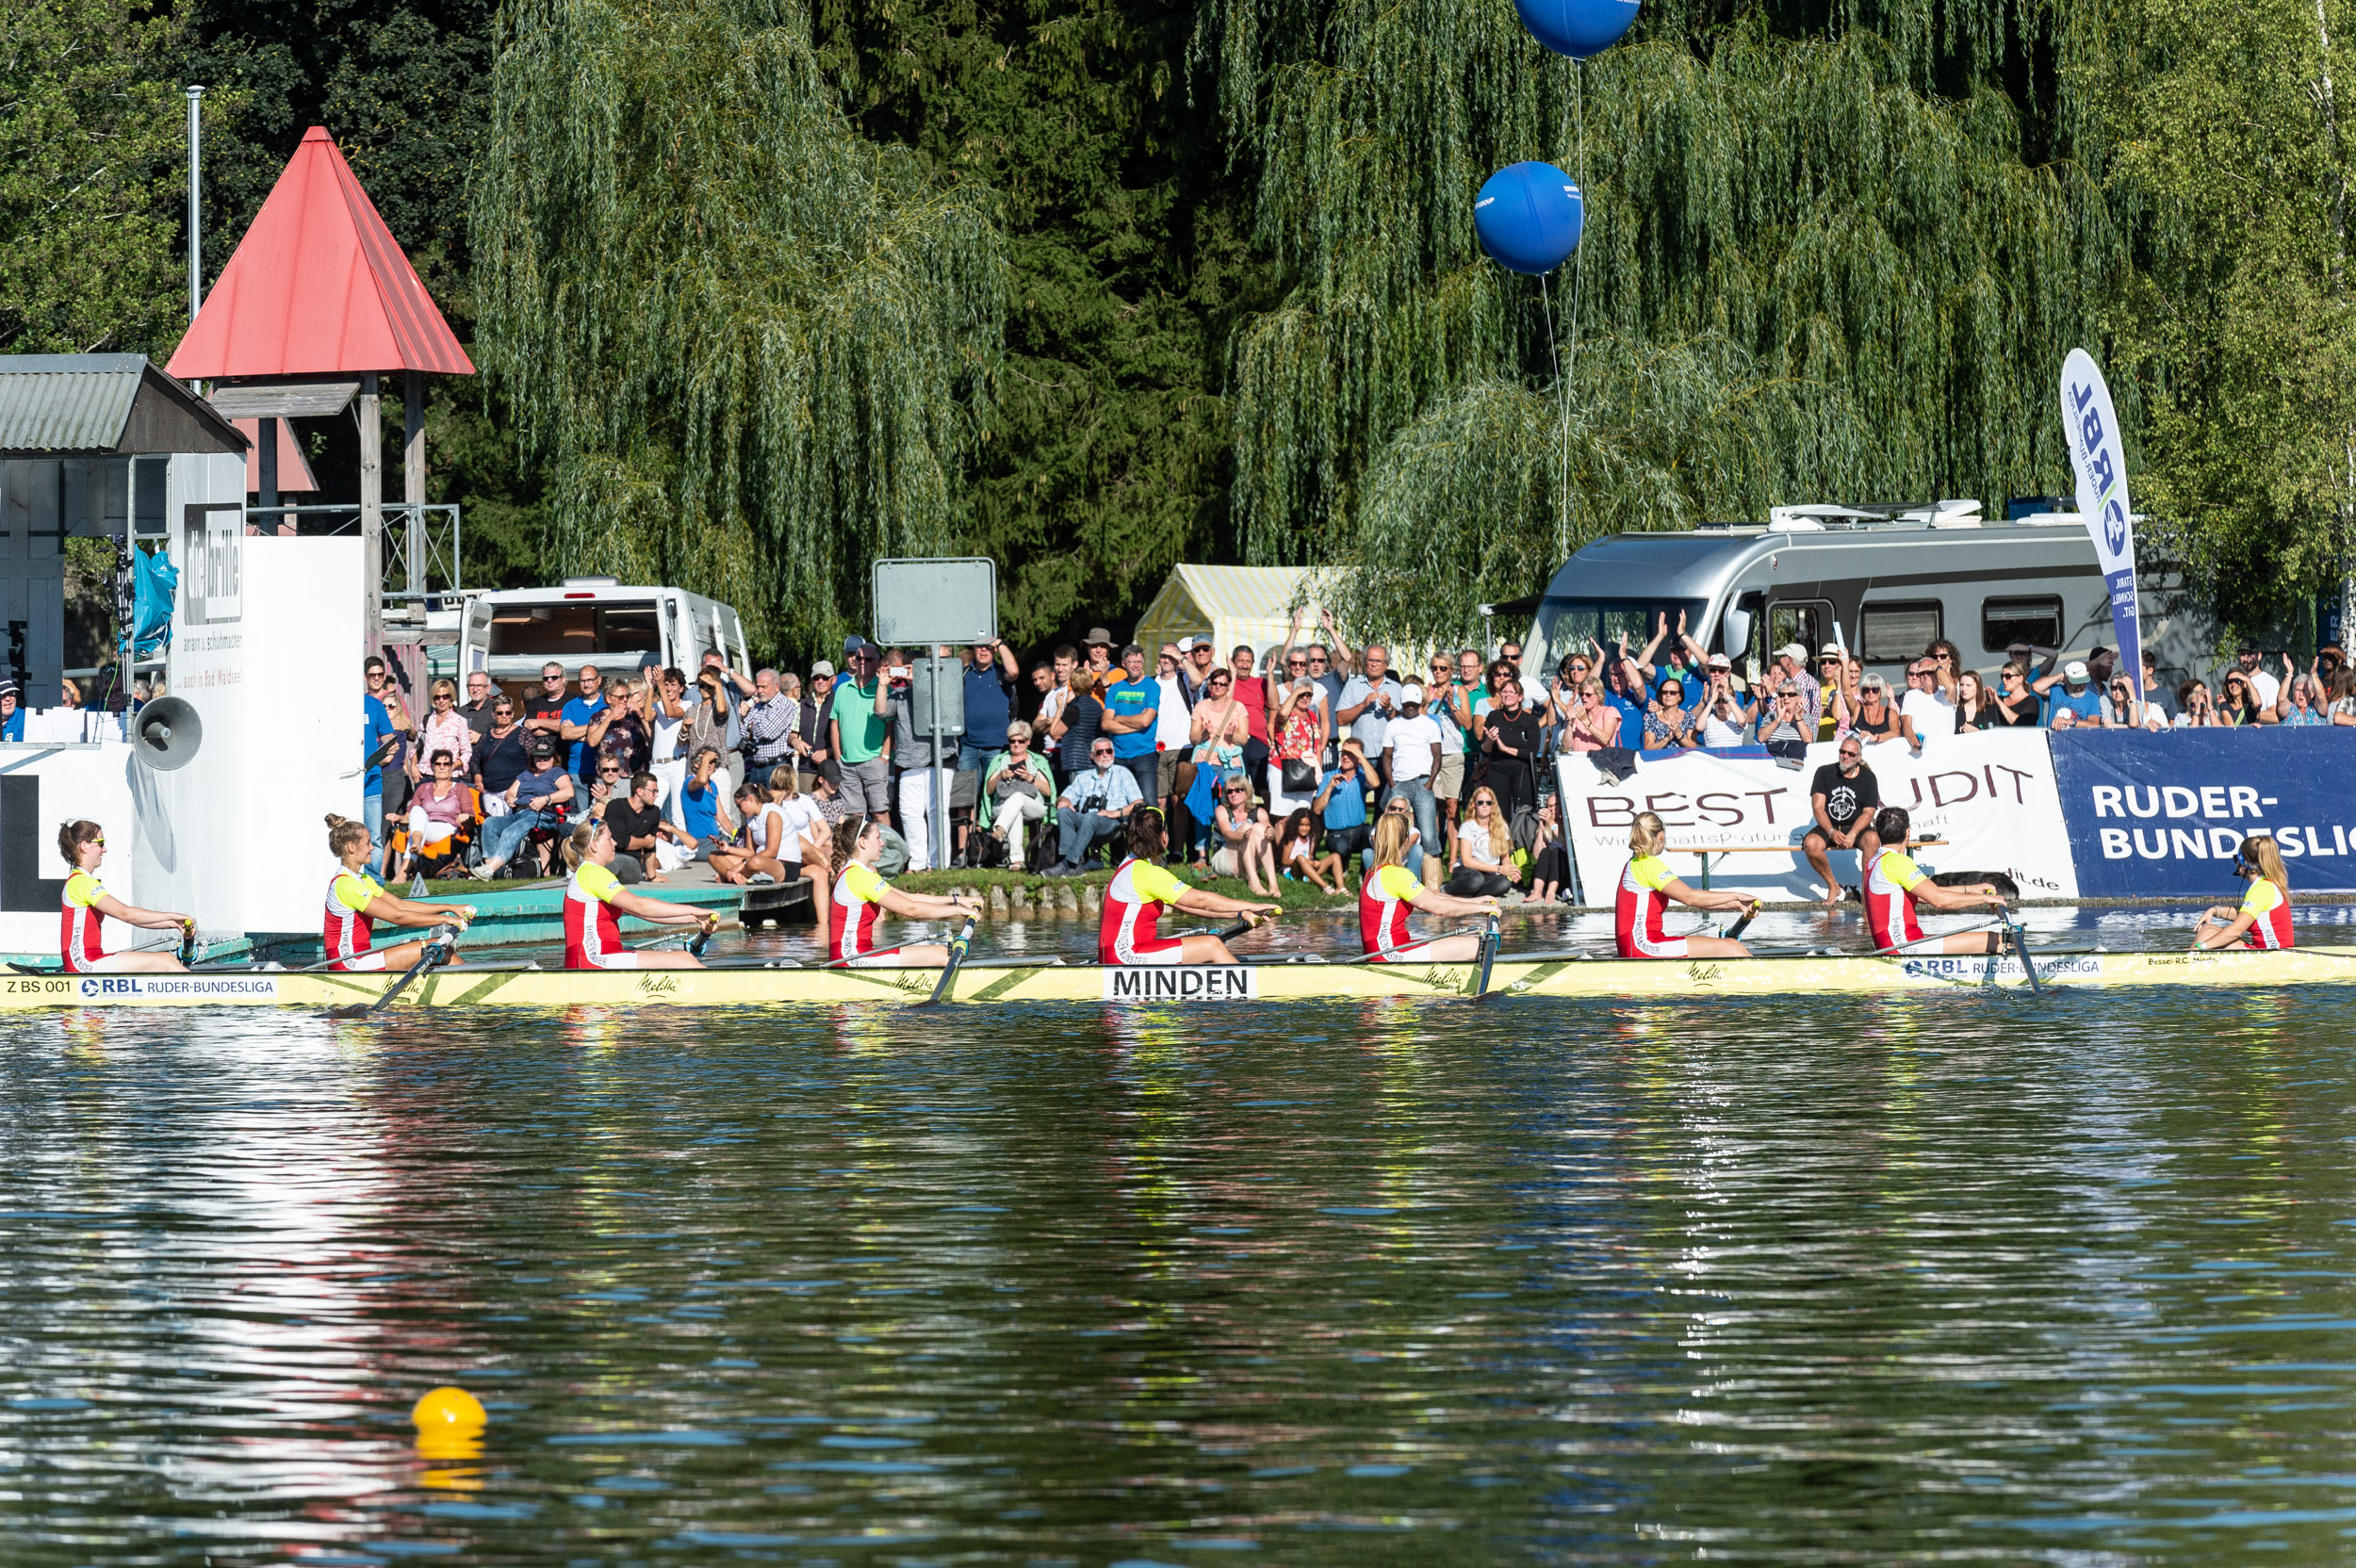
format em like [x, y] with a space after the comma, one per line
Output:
[510, 633]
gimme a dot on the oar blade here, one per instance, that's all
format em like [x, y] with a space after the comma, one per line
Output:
[1488, 960]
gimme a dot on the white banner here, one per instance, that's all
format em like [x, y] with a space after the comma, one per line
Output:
[2099, 458]
[1990, 795]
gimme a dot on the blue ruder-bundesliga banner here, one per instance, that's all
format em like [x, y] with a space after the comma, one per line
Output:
[2159, 814]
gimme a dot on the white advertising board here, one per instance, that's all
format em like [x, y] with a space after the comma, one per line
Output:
[1990, 795]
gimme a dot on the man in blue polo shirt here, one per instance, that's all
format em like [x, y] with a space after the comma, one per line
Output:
[1132, 707]
[579, 714]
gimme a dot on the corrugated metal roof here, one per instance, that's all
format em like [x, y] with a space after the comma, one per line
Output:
[67, 402]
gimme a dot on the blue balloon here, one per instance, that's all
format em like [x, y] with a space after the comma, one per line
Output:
[1528, 217]
[1577, 27]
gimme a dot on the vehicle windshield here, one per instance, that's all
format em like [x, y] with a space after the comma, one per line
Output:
[575, 631]
[1573, 624]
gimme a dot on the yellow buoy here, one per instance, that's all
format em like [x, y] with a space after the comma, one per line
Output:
[448, 1410]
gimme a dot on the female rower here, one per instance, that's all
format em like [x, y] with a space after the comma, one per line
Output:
[861, 896]
[1893, 883]
[1647, 887]
[1141, 887]
[356, 902]
[595, 900]
[2264, 920]
[1391, 889]
[84, 844]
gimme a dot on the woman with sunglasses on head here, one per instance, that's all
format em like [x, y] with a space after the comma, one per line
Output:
[1946, 670]
[861, 897]
[357, 904]
[85, 900]
[2264, 918]
[1244, 839]
[595, 900]
[2010, 703]
[2237, 702]
[445, 729]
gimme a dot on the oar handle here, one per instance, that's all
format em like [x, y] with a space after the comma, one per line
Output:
[695, 943]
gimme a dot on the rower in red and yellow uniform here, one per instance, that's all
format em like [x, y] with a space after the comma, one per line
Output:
[1141, 889]
[861, 896]
[1647, 887]
[1894, 884]
[357, 901]
[2264, 920]
[1391, 889]
[83, 845]
[595, 900]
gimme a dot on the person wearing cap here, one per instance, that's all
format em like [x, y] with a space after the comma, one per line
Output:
[2266, 688]
[859, 734]
[813, 716]
[535, 799]
[2074, 693]
[1724, 714]
[1411, 760]
[1791, 663]
[11, 713]
[1099, 647]
[1196, 660]
[1836, 692]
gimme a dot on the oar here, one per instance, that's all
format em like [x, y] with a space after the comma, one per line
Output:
[958, 944]
[437, 949]
[2020, 946]
[1488, 956]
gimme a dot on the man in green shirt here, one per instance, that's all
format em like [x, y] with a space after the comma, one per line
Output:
[862, 737]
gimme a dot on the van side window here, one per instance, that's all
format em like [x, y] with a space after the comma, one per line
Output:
[1897, 633]
[2036, 620]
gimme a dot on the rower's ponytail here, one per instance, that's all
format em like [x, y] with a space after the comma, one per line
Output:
[1647, 835]
[72, 836]
[577, 847]
[2261, 851]
[343, 833]
[1390, 840]
[847, 834]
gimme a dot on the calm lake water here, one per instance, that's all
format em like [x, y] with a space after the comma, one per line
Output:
[1817, 1281]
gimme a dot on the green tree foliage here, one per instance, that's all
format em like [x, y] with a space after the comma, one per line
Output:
[1106, 457]
[2236, 321]
[89, 134]
[749, 346]
[1824, 233]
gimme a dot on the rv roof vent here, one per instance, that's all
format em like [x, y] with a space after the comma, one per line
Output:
[593, 582]
[1950, 513]
[1813, 517]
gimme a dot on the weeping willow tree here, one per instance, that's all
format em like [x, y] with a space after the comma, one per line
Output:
[1826, 245]
[750, 348]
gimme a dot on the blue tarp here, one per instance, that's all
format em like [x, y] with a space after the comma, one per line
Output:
[154, 582]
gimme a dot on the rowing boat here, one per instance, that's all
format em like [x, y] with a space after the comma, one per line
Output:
[1293, 980]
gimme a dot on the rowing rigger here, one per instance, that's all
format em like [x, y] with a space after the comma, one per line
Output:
[1566, 974]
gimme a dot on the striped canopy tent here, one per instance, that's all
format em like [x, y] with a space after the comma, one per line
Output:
[1229, 605]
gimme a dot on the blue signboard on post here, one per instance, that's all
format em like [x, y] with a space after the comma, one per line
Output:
[2159, 814]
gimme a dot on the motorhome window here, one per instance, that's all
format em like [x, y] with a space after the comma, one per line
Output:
[575, 630]
[1566, 625]
[1897, 633]
[2035, 621]
[1807, 622]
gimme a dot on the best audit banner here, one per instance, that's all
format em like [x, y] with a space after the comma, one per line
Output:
[2159, 814]
[1992, 796]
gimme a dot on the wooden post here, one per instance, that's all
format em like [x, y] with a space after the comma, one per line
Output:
[371, 517]
[413, 477]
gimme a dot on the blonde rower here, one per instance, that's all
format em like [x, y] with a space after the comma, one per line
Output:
[1390, 890]
[2264, 918]
[595, 900]
[1648, 888]
[84, 844]
[356, 902]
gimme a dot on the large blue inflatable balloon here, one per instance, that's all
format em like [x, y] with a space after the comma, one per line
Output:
[1528, 217]
[1577, 27]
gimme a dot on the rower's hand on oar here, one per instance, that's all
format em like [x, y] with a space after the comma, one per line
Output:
[1254, 915]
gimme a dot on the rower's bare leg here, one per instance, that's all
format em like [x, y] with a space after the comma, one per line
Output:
[1973, 941]
[669, 957]
[1715, 947]
[1449, 950]
[1205, 950]
[922, 955]
[137, 963]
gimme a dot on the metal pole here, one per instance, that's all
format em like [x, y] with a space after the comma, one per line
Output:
[371, 515]
[941, 790]
[196, 203]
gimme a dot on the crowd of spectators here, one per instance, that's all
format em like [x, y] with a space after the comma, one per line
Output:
[1268, 763]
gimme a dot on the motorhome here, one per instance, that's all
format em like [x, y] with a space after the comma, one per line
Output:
[1885, 583]
[511, 632]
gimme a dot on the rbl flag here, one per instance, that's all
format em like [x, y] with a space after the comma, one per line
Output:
[2101, 459]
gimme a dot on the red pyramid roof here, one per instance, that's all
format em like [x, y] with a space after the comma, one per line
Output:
[318, 288]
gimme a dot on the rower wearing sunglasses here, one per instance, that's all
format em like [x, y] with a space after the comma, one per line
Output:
[2264, 920]
[85, 900]
[1893, 883]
